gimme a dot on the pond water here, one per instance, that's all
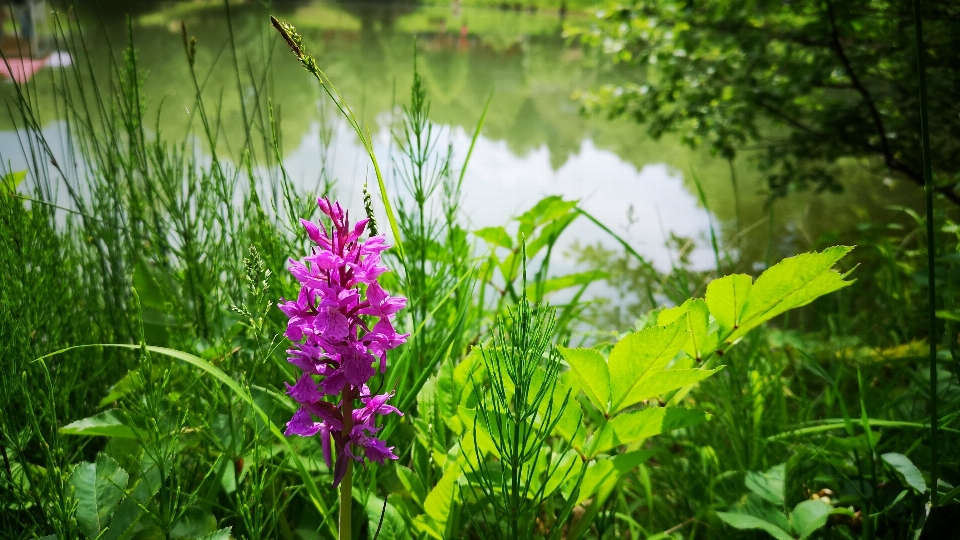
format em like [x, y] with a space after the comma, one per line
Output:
[534, 141]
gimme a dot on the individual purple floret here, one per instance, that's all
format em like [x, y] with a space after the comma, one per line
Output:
[340, 324]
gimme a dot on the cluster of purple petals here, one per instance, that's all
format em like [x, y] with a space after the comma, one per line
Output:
[337, 348]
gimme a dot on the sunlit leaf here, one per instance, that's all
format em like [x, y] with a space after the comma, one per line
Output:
[591, 369]
[642, 354]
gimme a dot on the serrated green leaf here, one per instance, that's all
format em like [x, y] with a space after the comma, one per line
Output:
[702, 342]
[809, 516]
[194, 523]
[789, 284]
[98, 488]
[591, 370]
[222, 534]
[640, 355]
[665, 381]
[726, 298]
[906, 470]
[109, 423]
[634, 426]
[746, 522]
[767, 484]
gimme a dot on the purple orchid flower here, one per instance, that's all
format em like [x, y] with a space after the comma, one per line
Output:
[340, 325]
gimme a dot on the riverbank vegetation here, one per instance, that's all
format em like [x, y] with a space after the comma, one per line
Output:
[145, 387]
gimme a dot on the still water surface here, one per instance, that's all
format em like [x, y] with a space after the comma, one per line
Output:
[534, 142]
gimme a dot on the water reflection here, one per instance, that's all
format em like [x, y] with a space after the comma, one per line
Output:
[534, 141]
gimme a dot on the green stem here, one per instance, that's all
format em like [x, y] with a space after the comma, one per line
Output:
[346, 484]
[931, 282]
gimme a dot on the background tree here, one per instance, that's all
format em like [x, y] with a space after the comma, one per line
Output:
[808, 82]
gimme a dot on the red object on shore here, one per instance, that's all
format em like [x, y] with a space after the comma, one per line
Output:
[21, 69]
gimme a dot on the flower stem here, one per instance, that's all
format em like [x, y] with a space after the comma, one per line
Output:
[346, 484]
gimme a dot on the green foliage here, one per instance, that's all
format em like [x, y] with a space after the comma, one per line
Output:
[810, 82]
[98, 488]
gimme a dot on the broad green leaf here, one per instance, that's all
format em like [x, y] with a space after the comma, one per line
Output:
[12, 180]
[789, 284]
[702, 342]
[107, 424]
[906, 470]
[412, 484]
[194, 523]
[440, 499]
[447, 396]
[726, 298]
[634, 426]
[809, 516]
[665, 381]
[565, 473]
[392, 527]
[745, 522]
[571, 424]
[591, 369]
[496, 236]
[129, 510]
[569, 280]
[642, 354]
[767, 484]
[597, 474]
[98, 488]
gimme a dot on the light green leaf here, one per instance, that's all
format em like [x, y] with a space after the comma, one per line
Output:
[12, 180]
[665, 381]
[597, 474]
[98, 488]
[767, 484]
[789, 284]
[906, 470]
[745, 522]
[642, 354]
[571, 425]
[496, 236]
[809, 516]
[195, 522]
[591, 370]
[440, 499]
[726, 298]
[633, 426]
[568, 280]
[107, 424]
[702, 342]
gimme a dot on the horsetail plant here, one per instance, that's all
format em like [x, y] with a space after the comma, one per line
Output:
[331, 326]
